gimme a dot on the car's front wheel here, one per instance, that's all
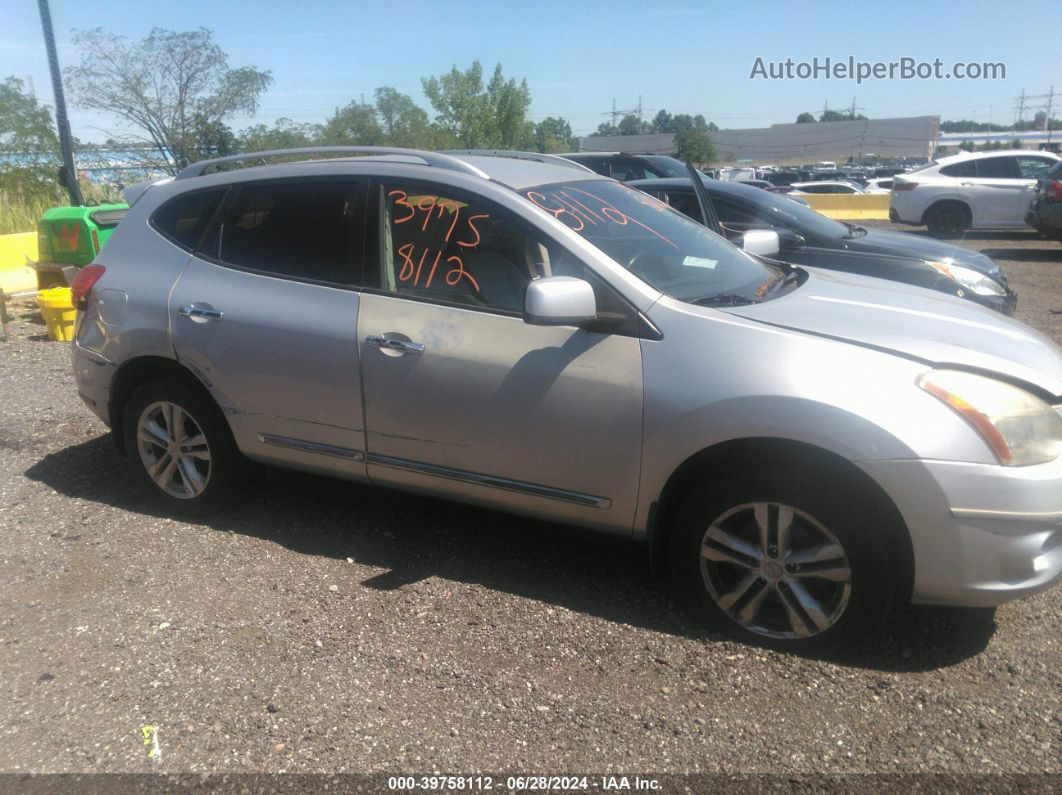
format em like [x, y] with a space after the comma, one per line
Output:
[180, 447]
[787, 558]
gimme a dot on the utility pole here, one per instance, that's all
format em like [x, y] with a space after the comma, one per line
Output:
[613, 111]
[639, 109]
[1020, 110]
[68, 174]
[1048, 108]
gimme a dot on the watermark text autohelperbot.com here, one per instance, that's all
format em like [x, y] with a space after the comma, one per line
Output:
[905, 68]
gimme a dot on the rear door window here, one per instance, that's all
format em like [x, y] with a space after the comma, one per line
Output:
[998, 168]
[297, 229]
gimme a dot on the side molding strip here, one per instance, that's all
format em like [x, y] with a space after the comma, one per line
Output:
[489, 480]
[1026, 516]
[311, 447]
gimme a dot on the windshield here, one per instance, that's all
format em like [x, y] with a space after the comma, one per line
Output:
[780, 211]
[659, 244]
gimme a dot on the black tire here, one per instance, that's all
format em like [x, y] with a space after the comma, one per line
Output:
[210, 484]
[823, 498]
[948, 219]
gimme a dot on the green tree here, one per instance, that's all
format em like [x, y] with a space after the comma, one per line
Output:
[632, 125]
[176, 88]
[284, 134]
[553, 134]
[662, 122]
[479, 116]
[29, 146]
[606, 128]
[805, 118]
[694, 146]
[402, 121]
[354, 125]
[507, 104]
[837, 115]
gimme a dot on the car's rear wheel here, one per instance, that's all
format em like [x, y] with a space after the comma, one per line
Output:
[180, 447]
[948, 219]
[785, 558]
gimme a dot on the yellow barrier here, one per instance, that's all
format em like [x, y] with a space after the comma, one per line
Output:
[15, 275]
[851, 206]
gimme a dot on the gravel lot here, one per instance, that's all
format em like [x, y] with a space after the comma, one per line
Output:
[326, 626]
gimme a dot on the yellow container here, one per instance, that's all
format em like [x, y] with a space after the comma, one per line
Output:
[58, 311]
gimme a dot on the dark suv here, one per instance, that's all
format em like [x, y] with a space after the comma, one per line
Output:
[1045, 210]
[625, 166]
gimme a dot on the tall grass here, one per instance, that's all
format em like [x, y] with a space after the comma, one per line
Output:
[21, 205]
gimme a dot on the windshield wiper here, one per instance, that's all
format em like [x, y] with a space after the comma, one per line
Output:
[854, 230]
[723, 299]
[794, 276]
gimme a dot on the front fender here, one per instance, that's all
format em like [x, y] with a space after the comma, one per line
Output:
[717, 378]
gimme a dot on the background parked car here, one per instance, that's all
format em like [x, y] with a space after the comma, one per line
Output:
[982, 190]
[826, 187]
[810, 238]
[626, 166]
[878, 185]
[1045, 210]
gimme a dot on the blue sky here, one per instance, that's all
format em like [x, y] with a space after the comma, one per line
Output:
[687, 57]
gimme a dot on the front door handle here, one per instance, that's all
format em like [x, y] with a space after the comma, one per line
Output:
[199, 312]
[389, 344]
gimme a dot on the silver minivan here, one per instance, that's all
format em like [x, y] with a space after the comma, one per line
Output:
[806, 448]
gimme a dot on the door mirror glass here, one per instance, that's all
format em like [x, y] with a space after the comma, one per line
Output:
[559, 301]
[763, 242]
[788, 240]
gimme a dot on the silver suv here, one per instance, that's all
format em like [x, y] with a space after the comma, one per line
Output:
[806, 448]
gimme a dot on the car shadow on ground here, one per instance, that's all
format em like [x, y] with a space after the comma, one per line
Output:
[1025, 254]
[415, 538]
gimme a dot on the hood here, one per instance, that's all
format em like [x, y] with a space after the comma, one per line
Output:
[904, 244]
[933, 327]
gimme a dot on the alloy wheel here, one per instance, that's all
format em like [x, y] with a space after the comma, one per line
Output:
[775, 570]
[174, 450]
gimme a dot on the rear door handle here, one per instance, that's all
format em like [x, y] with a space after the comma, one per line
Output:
[389, 344]
[199, 312]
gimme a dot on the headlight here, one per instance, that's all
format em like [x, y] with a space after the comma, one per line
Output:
[1018, 426]
[969, 278]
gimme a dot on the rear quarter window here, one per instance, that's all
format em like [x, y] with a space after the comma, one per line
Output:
[964, 168]
[183, 219]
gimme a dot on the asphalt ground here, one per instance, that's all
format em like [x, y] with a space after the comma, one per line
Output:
[325, 626]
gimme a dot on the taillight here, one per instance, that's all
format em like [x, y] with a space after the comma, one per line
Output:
[83, 283]
[904, 185]
[1053, 191]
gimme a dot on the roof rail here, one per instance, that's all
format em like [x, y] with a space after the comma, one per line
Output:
[435, 159]
[538, 157]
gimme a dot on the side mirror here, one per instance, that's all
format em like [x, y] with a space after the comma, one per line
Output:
[763, 242]
[559, 301]
[789, 240]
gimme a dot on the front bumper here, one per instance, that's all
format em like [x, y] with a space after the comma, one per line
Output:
[1005, 304]
[982, 534]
